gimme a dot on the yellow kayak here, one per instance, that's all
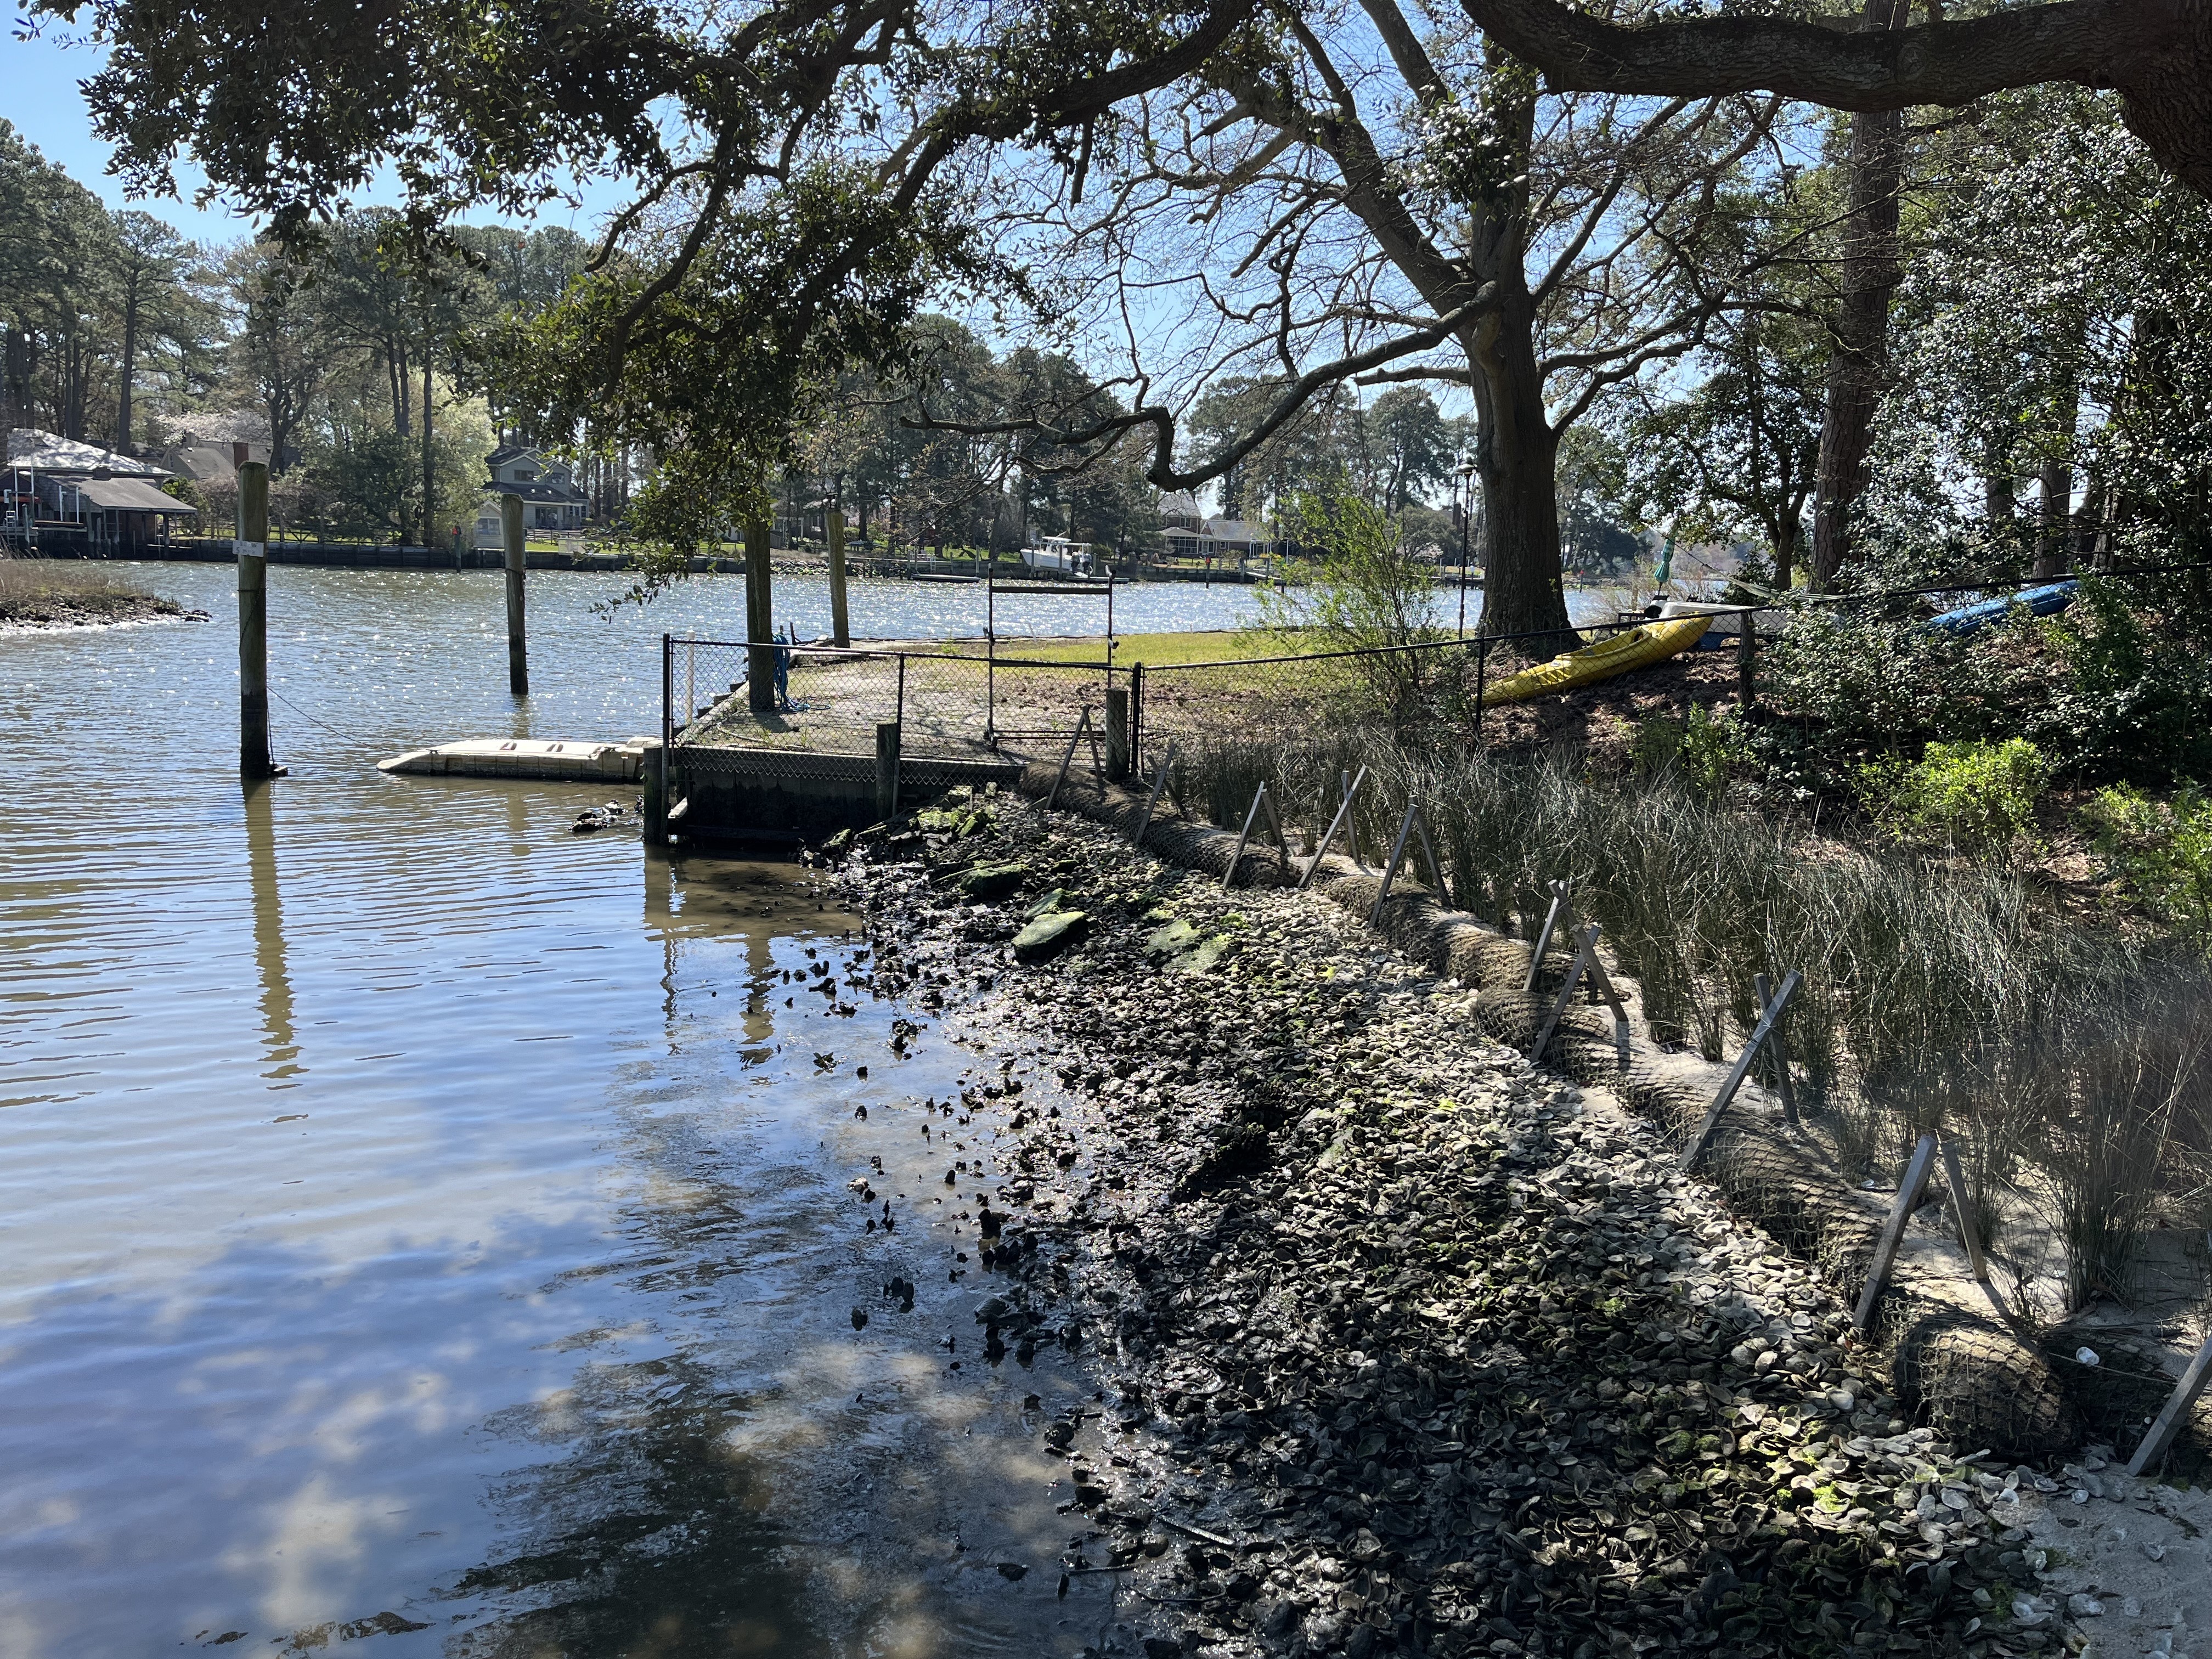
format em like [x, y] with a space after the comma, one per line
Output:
[1640, 647]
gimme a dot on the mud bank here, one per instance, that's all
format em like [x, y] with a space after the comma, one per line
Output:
[1400, 1345]
[40, 612]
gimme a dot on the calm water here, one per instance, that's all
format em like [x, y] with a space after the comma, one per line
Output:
[415, 1215]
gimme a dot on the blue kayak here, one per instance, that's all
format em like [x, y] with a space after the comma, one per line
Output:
[1972, 618]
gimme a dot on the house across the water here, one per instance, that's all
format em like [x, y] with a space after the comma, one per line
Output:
[547, 485]
[64, 496]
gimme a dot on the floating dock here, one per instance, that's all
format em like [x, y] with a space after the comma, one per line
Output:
[566, 762]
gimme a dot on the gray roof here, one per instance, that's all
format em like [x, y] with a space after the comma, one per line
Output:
[46, 452]
[132, 495]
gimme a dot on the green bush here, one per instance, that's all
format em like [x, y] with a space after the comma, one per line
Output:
[1699, 751]
[1976, 798]
[2160, 851]
[2136, 692]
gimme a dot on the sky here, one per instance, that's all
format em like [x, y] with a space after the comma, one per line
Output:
[41, 77]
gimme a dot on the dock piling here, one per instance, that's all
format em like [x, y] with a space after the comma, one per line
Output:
[840, 629]
[518, 648]
[760, 623]
[251, 547]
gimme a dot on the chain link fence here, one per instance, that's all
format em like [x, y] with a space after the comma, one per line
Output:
[1417, 695]
[823, 700]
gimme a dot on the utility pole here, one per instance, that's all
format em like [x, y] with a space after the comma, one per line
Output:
[517, 646]
[252, 548]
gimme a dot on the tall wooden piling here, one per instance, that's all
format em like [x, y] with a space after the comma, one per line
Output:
[760, 620]
[841, 631]
[517, 647]
[254, 760]
[1117, 734]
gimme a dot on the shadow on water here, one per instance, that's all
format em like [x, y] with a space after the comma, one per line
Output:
[648, 1538]
[785, 1478]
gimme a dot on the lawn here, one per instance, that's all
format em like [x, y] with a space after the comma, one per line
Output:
[1153, 650]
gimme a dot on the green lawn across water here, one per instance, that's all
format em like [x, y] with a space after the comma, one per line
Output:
[1153, 650]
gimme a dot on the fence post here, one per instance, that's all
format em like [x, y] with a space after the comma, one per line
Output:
[1747, 662]
[1481, 680]
[887, 769]
[254, 760]
[760, 620]
[841, 631]
[1136, 716]
[1117, 734]
[516, 561]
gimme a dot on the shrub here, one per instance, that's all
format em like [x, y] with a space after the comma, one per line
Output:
[2160, 851]
[1699, 751]
[2136, 693]
[1976, 798]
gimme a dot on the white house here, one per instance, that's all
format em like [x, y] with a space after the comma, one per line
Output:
[550, 499]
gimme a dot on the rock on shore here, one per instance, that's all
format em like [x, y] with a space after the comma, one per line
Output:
[1402, 1347]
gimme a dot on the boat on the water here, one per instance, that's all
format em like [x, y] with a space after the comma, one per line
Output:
[1059, 554]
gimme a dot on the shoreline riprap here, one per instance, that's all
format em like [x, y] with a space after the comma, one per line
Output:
[1403, 1346]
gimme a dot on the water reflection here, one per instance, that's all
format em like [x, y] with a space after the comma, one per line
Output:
[268, 931]
[418, 1221]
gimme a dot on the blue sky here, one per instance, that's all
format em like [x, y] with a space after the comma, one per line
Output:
[41, 77]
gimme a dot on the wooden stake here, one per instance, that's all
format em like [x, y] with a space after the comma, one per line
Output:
[1892, 1231]
[1117, 734]
[841, 632]
[1777, 1051]
[760, 621]
[1586, 962]
[1151, 801]
[517, 561]
[1704, 1139]
[1067, 760]
[1955, 1179]
[887, 770]
[1262, 797]
[1351, 790]
[251, 547]
[1560, 913]
[2177, 1404]
[1414, 816]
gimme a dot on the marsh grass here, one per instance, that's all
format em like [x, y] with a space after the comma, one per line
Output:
[1936, 992]
[27, 584]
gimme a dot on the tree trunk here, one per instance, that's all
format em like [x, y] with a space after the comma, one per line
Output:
[2057, 513]
[1856, 363]
[1516, 457]
[130, 365]
[429, 461]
